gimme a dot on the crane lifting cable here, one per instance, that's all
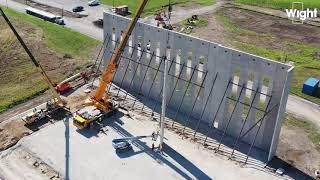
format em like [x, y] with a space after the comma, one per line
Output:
[33, 59]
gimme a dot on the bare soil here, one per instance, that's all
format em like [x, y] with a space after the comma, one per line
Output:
[20, 78]
[296, 148]
[18, 75]
[214, 31]
[280, 28]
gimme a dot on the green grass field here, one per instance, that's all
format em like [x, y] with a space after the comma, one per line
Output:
[301, 54]
[61, 40]
[154, 5]
[280, 4]
[19, 79]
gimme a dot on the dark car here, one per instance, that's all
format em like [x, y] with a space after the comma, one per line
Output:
[98, 23]
[77, 9]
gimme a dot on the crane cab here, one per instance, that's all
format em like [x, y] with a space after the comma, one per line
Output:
[85, 116]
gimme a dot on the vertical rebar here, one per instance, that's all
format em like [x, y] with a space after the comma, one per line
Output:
[198, 94]
[104, 45]
[155, 105]
[230, 119]
[154, 78]
[116, 42]
[95, 63]
[216, 114]
[144, 77]
[205, 106]
[134, 75]
[184, 95]
[255, 137]
[125, 72]
[244, 122]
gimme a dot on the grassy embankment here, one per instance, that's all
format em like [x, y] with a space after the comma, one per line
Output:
[300, 53]
[280, 4]
[154, 6]
[19, 79]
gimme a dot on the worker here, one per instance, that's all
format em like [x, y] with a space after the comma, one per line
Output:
[152, 146]
[153, 136]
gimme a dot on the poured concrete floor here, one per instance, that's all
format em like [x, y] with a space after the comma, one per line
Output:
[89, 154]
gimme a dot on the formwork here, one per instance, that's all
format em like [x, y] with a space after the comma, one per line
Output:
[216, 91]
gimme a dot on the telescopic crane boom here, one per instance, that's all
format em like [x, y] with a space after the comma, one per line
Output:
[100, 100]
[99, 96]
[35, 62]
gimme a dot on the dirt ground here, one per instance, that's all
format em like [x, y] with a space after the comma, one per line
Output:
[20, 76]
[29, 166]
[280, 28]
[214, 31]
[294, 147]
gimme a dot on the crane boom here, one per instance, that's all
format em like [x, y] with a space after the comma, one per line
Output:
[33, 59]
[100, 104]
[111, 68]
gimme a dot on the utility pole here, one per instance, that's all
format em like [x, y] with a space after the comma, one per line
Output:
[164, 103]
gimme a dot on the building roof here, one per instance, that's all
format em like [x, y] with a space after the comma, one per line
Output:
[38, 11]
[312, 82]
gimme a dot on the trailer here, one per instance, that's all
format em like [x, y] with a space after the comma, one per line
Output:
[45, 15]
[42, 113]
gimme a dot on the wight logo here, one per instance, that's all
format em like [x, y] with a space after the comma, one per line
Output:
[298, 15]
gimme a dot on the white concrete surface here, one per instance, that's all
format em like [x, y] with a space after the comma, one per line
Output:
[90, 156]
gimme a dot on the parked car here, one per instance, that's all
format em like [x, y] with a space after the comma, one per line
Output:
[98, 23]
[60, 21]
[77, 9]
[93, 3]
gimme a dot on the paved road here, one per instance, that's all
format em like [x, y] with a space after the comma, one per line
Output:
[83, 25]
[296, 105]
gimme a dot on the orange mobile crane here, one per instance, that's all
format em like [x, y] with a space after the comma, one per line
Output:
[100, 104]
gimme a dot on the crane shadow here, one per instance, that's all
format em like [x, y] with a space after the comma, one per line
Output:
[163, 158]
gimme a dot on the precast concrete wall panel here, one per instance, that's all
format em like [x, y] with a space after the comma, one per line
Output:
[249, 93]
